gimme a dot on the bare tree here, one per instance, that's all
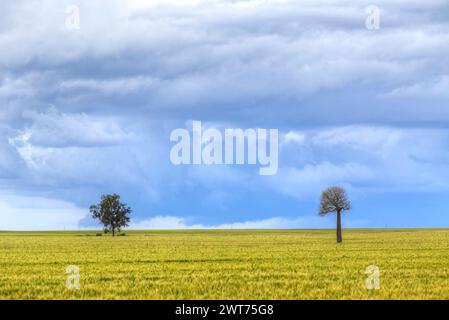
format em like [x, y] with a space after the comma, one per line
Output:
[334, 199]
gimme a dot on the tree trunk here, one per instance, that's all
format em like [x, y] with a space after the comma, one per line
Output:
[339, 238]
[113, 231]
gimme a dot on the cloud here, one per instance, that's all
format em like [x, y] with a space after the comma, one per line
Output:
[89, 111]
[310, 180]
[365, 159]
[53, 129]
[434, 88]
[11, 163]
[38, 213]
[11, 87]
[256, 56]
[112, 87]
[173, 222]
[307, 222]
[294, 137]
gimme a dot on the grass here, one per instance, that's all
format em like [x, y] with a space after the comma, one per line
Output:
[238, 264]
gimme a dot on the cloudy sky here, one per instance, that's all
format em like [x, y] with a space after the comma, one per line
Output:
[89, 110]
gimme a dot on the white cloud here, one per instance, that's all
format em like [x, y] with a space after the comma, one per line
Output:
[364, 158]
[38, 213]
[309, 181]
[296, 137]
[164, 222]
[173, 222]
[306, 222]
[56, 129]
[11, 87]
[256, 49]
[114, 86]
[434, 88]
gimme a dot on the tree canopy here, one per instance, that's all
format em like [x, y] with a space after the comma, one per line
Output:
[113, 214]
[334, 199]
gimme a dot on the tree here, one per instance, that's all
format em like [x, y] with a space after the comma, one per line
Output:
[113, 214]
[335, 199]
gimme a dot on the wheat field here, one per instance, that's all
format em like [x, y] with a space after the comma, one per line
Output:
[226, 264]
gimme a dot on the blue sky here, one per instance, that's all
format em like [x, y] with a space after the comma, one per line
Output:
[89, 111]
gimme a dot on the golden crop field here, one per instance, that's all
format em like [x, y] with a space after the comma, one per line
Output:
[256, 264]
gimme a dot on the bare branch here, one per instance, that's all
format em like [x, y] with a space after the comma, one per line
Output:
[334, 199]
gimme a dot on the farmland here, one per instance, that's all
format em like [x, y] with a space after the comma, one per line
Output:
[226, 264]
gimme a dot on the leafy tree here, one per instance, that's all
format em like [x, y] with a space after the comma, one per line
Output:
[335, 199]
[113, 214]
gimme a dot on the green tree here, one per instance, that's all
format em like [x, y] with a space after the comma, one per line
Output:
[335, 199]
[113, 214]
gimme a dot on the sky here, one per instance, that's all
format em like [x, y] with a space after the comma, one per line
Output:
[87, 109]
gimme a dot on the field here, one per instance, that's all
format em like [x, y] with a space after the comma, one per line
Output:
[238, 264]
